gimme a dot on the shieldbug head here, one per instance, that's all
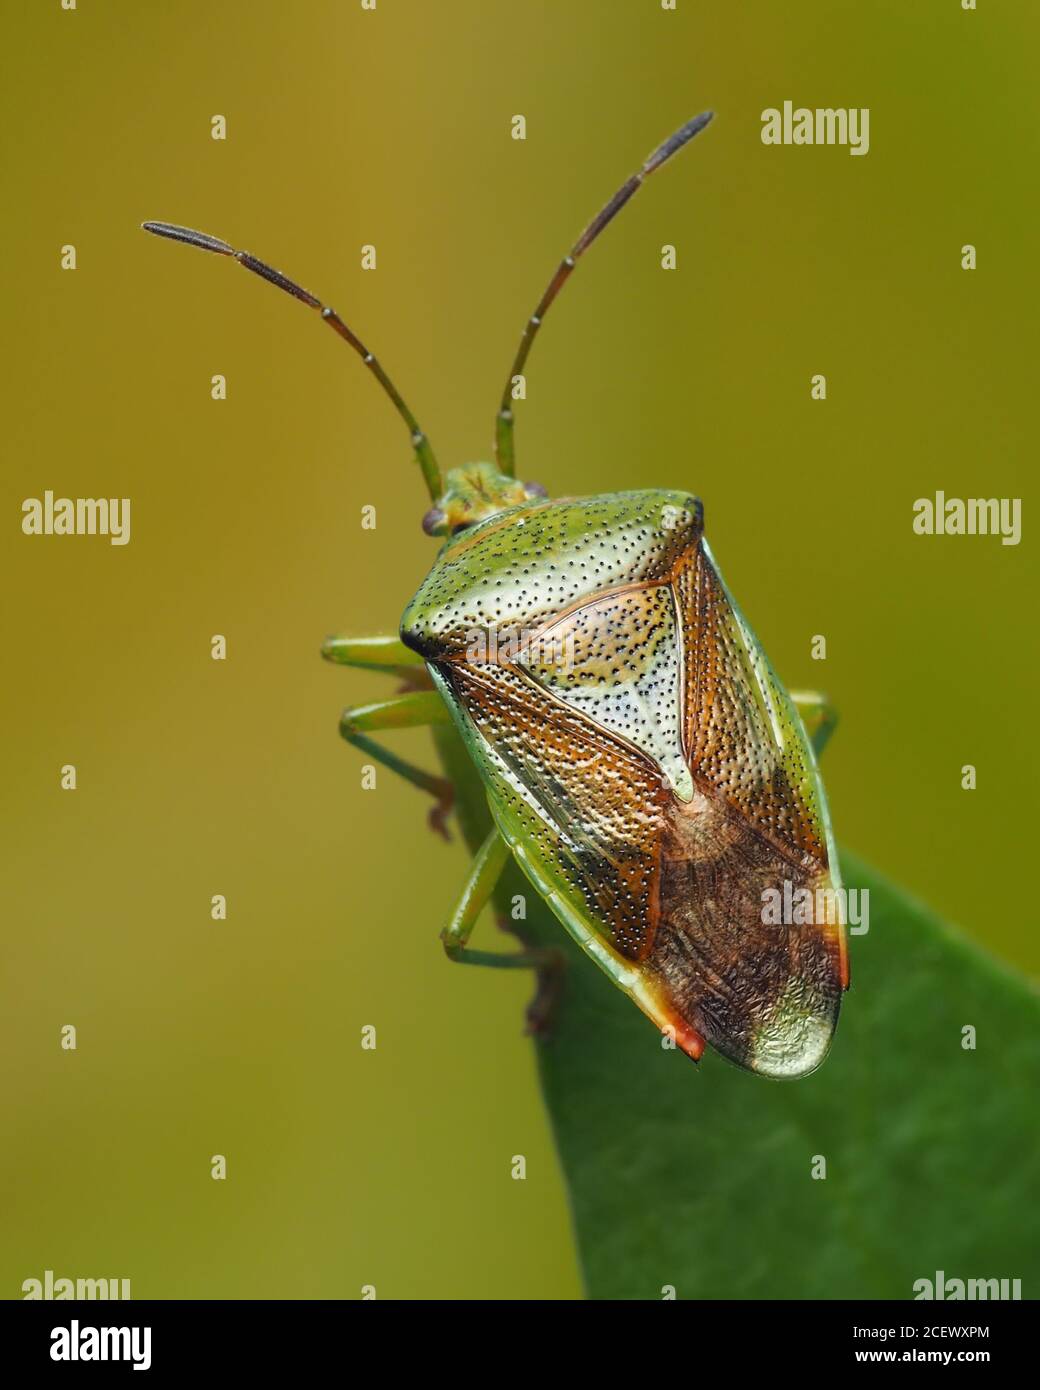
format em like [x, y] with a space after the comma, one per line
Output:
[643, 763]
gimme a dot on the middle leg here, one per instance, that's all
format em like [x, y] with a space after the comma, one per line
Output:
[546, 961]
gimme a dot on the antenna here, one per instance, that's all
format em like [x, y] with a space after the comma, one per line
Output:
[423, 453]
[504, 455]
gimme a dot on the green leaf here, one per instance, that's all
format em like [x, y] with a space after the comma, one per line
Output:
[700, 1177]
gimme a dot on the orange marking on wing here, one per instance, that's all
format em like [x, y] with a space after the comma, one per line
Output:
[687, 1038]
[844, 971]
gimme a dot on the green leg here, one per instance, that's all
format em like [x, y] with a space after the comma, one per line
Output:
[418, 709]
[386, 654]
[488, 864]
[818, 715]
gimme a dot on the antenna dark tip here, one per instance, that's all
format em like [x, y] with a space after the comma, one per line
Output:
[423, 452]
[190, 238]
[675, 142]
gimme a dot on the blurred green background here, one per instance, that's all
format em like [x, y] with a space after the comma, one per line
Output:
[347, 127]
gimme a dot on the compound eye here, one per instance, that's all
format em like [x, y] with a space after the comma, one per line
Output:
[535, 490]
[433, 523]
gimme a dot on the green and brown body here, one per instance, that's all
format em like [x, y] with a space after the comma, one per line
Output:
[643, 763]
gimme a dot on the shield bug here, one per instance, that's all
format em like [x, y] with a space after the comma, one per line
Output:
[643, 764]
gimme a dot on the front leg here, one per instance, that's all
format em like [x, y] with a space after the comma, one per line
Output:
[386, 654]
